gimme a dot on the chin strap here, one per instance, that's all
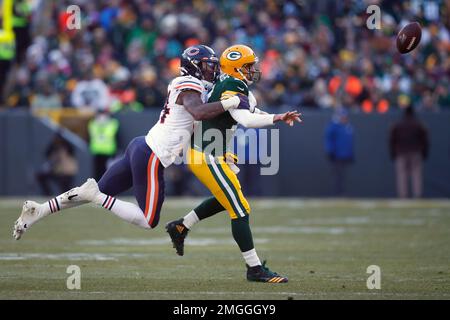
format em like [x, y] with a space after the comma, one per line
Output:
[242, 75]
[199, 71]
[183, 71]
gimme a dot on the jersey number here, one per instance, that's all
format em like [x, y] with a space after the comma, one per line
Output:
[166, 109]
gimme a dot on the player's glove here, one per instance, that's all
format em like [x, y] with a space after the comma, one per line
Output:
[231, 159]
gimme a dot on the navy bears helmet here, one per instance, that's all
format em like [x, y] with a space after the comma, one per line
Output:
[201, 62]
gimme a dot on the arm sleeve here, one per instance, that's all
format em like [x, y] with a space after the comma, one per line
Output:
[259, 111]
[251, 120]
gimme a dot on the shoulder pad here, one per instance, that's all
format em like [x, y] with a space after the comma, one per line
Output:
[234, 84]
[190, 79]
[187, 82]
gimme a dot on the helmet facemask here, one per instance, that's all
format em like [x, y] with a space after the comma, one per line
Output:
[250, 72]
[210, 71]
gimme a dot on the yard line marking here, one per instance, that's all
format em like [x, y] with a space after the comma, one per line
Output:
[163, 240]
[285, 230]
[361, 220]
[270, 203]
[71, 256]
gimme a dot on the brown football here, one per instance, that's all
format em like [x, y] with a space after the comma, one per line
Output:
[409, 37]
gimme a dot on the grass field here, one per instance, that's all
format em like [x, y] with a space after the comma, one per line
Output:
[323, 246]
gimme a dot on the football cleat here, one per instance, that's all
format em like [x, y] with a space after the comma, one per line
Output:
[177, 232]
[29, 216]
[88, 191]
[263, 274]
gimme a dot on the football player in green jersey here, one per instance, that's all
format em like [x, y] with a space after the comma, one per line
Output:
[216, 169]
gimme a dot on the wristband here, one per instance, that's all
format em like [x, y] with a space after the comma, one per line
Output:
[230, 103]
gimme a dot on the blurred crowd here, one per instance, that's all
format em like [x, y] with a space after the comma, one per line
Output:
[317, 54]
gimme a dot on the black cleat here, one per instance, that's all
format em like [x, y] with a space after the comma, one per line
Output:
[177, 232]
[263, 274]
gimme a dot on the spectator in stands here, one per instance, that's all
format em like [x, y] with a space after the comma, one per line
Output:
[147, 91]
[103, 130]
[22, 92]
[429, 102]
[321, 97]
[90, 93]
[45, 98]
[60, 166]
[339, 148]
[292, 97]
[443, 95]
[21, 26]
[301, 44]
[408, 144]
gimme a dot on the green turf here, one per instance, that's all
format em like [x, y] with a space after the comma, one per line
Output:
[323, 246]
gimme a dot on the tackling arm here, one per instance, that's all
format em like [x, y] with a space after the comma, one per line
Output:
[191, 100]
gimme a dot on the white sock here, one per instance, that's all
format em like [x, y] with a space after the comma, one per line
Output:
[251, 258]
[127, 211]
[190, 219]
[57, 204]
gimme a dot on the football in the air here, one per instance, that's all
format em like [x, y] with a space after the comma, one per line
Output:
[409, 37]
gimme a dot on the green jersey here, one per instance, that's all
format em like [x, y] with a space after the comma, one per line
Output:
[224, 122]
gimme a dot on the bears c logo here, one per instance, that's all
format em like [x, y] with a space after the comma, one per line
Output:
[234, 55]
[193, 51]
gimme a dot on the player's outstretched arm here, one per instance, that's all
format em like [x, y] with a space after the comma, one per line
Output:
[191, 100]
[288, 117]
[263, 119]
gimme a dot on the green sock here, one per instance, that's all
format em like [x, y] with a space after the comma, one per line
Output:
[242, 234]
[208, 208]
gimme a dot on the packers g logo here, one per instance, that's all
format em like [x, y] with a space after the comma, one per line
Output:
[234, 55]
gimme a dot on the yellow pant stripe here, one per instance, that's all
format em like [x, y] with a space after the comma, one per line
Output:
[217, 180]
[236, 184]
[227, 186]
